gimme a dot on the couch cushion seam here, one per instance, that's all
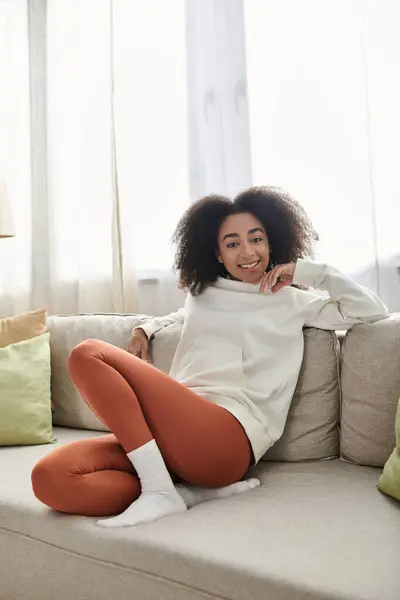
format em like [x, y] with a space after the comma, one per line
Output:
[100, 561]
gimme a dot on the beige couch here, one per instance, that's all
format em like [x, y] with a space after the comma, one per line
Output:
[318, 528]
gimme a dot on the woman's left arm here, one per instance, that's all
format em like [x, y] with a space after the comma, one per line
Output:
[348, 302]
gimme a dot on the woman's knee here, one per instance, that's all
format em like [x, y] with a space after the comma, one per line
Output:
[87, 349]
[49, 481]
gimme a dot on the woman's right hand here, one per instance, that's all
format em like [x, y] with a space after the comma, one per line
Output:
[139, 344]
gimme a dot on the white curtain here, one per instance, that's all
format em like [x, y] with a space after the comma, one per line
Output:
[94, 112]
[115, 114]
[15, 254]
[324, 97]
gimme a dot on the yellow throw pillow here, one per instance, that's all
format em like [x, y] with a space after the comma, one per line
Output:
[22, 327]
[25, 408]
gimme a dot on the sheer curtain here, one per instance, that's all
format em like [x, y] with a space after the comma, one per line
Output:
[115, 114]
[117, 144]
[151, 141]
[95, 153]
[15, 253]
[323, 82]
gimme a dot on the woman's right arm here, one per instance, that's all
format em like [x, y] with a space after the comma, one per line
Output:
[139, 344]
[154, 325]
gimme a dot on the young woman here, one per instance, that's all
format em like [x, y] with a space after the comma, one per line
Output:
[244, 264]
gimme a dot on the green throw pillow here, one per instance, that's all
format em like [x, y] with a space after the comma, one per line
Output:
[389, 481]
[25, 403]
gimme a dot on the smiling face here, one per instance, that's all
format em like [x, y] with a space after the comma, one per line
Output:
[243, 247]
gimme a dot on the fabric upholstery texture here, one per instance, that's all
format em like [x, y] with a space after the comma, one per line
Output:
[311, 430]
[22, 327]
[370, 391]
[163, 347]
[308, 533]
[313, 531]
[25, 405]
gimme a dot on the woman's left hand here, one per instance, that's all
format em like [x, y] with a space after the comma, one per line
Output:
[277, 278]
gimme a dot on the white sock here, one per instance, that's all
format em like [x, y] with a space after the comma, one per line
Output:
[159, 497]
[194, 495]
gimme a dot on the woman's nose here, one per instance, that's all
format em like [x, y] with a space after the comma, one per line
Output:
[247, 250]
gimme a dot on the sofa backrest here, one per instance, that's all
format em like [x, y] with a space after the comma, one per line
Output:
[66, 333]
[370, 382]
[312, 428]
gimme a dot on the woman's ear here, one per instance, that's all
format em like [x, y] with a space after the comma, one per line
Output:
[220, 258]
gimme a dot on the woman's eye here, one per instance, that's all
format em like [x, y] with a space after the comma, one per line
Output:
[257, 240]
[232, 245]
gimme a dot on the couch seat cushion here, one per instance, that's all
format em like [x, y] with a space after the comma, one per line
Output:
[313, 530]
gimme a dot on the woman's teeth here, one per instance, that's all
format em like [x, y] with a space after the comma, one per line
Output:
[249, 265]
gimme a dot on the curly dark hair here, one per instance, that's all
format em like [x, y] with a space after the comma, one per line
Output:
[290, 232]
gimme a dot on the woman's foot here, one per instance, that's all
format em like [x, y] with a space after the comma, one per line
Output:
[194, 495]
[147, 508]
[159, 497]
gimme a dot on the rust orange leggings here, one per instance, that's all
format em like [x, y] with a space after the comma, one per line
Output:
[201, 442]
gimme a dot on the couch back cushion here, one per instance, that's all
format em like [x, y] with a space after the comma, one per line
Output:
[370, 391]
[66, 333]
[311, 429]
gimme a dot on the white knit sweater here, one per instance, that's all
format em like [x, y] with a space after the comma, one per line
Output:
[243, 349]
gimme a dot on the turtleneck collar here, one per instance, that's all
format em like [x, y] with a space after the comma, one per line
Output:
[237, 286]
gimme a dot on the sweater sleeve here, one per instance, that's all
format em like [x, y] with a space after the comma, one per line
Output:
[348, 302]
[154, 325]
